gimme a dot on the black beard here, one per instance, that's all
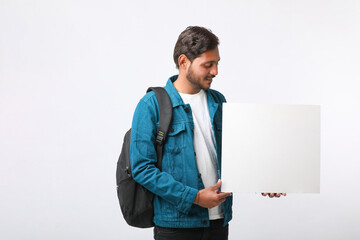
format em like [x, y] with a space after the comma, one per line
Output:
[190, 78]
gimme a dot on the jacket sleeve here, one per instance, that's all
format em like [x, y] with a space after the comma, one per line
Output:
[143, 159]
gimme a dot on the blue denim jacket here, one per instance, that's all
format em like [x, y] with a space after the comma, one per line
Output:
[176, 186]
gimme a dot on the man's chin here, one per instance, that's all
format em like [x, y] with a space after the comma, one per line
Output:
[206, 84]
[206, 87]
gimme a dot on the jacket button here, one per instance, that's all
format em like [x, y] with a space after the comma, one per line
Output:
[187, 110]
[204, 222]
[171, 130]
[195, 154]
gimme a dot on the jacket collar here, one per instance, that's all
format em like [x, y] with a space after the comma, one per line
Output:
[174, 95]
[213, 106]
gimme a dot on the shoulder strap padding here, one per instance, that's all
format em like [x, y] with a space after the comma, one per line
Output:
[165, 109]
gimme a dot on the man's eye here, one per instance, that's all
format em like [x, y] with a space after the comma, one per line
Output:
[208, 65]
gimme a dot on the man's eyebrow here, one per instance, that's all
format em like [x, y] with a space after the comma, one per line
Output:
[212, 61]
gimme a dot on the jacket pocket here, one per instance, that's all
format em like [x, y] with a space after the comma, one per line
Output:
[176, 128]
[175, 138]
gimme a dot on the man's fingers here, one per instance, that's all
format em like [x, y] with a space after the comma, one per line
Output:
[271, 195]
[223, 195]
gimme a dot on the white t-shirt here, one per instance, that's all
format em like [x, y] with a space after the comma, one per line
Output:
[204, 143]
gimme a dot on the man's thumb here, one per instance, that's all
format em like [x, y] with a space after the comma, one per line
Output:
[217, 185]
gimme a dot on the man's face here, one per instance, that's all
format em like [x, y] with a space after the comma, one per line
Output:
[203, 69]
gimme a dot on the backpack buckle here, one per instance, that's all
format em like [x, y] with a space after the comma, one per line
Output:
[160, 137]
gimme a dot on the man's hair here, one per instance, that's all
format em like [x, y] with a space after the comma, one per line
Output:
[193, 42]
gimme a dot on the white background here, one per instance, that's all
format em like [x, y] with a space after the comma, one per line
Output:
[72, 72]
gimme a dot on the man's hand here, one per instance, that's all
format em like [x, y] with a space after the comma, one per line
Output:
[211, 196]
[271, 195]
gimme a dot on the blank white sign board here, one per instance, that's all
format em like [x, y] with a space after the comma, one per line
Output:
[271, 148]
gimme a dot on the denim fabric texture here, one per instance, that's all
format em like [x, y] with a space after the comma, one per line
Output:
[176, 186]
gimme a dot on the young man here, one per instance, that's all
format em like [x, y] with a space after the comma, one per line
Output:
[188, 203]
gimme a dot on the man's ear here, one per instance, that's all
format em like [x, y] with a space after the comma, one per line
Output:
[183, 62]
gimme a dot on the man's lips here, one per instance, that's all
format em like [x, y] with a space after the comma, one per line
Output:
[209, 78]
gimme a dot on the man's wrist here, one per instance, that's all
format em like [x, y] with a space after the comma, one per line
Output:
[197, 198]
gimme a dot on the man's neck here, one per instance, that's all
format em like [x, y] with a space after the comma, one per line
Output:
[182, 85]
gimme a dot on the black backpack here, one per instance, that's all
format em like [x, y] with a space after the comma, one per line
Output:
[136, 202]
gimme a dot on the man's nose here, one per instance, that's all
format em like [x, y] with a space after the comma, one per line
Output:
[214, 70]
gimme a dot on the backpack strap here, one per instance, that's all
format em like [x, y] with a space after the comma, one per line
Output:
[165, 109]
